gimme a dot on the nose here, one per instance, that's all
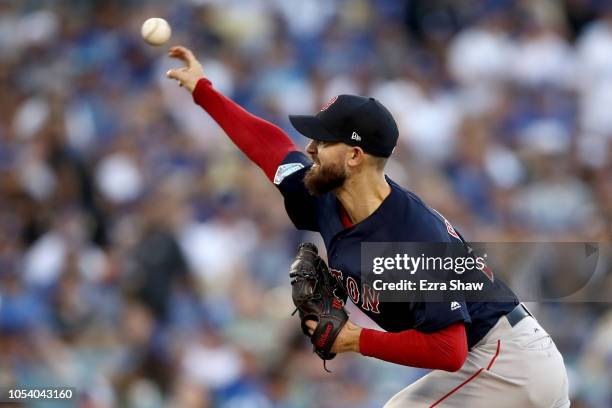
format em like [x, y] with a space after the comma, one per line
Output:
[311, 148]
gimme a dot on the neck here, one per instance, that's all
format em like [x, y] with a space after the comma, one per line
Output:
[362, 194]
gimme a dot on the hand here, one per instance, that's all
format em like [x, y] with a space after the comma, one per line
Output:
[347, 340]
[189, 75]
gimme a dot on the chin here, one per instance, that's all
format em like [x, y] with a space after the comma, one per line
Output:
[321, 180]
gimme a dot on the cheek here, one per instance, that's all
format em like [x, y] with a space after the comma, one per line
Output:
[320, 158]
[330, 156]
[333, 164]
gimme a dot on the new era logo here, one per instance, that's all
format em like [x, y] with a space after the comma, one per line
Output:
[355, 136]
[455, 305]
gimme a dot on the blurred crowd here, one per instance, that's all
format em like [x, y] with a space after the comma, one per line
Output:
[143, 259]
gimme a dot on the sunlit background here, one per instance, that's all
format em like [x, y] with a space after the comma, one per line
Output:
[143, 259]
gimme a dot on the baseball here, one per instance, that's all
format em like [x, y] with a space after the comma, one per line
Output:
[156, 31]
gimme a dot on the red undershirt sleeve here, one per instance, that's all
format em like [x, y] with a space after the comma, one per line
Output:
[445, 349]
[263, 143]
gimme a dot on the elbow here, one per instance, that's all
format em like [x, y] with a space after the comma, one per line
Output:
[456, 358]
[455, 362]
[457, 350]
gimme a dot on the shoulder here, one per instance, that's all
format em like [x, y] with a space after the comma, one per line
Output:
[292, 169]
[424, 222]
[409, 202]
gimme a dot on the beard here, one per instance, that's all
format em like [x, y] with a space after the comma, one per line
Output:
[321, 179]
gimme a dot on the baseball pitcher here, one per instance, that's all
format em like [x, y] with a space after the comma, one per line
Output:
[483, 354]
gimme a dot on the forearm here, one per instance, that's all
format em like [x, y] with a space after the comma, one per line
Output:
[348, 339]
[443, 350]
[263, 143]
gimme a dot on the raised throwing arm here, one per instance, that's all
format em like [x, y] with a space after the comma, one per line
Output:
[262, 142]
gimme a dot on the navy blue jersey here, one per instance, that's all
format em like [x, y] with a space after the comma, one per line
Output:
[402, 217]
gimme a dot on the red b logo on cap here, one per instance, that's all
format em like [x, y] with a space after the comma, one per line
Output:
[329, 103]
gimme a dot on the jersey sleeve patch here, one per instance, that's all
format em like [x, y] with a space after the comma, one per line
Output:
[285, 170]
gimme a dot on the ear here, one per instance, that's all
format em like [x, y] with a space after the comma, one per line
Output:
[355, 156]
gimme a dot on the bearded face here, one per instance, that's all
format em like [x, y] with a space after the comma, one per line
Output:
[321, 179]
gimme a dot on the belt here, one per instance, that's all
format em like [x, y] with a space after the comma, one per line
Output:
[517, 314]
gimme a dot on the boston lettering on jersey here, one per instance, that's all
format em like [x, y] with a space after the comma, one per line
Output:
[402, 217]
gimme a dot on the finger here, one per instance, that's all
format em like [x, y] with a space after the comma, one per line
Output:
[312, 325]
[184, 54]
[174, 74]
[176, 52]
[177, 74]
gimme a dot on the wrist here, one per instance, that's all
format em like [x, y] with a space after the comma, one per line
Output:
[354, 332]
[192, 87]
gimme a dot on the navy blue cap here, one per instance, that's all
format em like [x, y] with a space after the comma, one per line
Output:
[354, 120]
